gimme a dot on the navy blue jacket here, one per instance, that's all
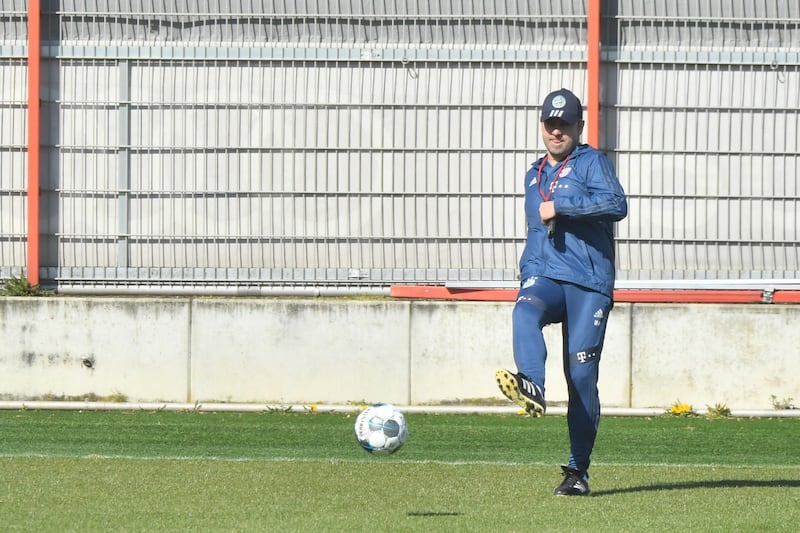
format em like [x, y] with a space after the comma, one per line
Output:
[588, 200]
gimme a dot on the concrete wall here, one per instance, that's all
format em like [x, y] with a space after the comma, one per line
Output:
[315, 350]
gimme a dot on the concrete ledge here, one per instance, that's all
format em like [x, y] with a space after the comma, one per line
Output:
[340, 351]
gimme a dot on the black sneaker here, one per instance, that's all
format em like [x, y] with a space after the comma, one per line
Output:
[574, 484]
[522, 391]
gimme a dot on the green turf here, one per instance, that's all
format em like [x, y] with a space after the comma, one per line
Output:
[166, 471]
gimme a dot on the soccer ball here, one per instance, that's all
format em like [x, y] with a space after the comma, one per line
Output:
[381, 428]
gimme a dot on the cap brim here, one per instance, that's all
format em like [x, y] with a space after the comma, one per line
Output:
[567, 119]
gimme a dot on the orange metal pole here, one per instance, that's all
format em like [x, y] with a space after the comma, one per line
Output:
[637, 296]
[34, 136]
[593, 74]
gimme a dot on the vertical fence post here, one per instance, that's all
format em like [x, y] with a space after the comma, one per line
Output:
[124, 163]
[34, 136]
[593, 73]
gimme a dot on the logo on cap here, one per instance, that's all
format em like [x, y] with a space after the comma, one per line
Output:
[559, 102]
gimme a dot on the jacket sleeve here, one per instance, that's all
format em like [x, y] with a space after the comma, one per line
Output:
[604, 197]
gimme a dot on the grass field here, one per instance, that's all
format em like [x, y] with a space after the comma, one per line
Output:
[278, 471]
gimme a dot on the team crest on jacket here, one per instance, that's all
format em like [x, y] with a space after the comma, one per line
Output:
[565, 172]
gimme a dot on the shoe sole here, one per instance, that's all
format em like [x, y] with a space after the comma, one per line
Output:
[510, 389]
[571, 493]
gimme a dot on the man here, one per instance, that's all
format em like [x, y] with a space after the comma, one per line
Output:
[572, 199]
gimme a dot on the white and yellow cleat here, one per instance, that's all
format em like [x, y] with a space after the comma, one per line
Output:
[522, 391]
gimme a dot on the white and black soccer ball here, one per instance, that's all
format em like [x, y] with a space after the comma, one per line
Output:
[381, 428]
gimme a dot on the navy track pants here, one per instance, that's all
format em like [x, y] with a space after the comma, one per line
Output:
[583, 314]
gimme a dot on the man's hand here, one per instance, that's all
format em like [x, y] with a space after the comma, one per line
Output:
[547, 211]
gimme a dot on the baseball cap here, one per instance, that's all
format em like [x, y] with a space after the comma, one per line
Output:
[562, 104]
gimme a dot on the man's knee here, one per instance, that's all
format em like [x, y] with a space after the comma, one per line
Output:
[583, 367]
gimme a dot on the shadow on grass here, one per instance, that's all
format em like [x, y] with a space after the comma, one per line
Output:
[434, 513]
[720, 484]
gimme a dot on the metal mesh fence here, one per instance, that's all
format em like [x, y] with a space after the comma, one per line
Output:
[341, 172]
[13, 168]
[705, 118]
[370, 143]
